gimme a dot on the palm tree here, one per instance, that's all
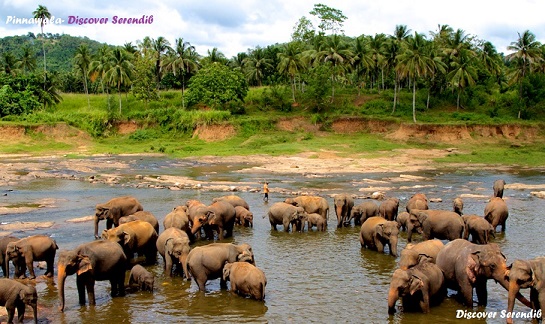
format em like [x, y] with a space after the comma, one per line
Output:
[336, 52]
[363, 61]
[415, 62]
[50, 95]
[291, 63]
[42, 14]
[214, 56]
[182, 60]
[376, 45]
[463, 72]
[160, 47]
[9, 63]
[255, 65]
[82, 59]
[526, 52]
[120, 71]
[27, 60]
[99, 66]
[490, 59]
[237, 62]
[392, 50]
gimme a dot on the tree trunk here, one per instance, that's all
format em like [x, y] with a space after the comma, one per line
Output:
[293, 88]
[119, 93]
[414, 102]
[86, 89]
[395, 96]
[458, 101]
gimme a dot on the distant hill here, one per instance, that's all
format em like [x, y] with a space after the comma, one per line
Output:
[60, 49]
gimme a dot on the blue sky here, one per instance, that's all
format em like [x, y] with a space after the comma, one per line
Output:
[236, 26]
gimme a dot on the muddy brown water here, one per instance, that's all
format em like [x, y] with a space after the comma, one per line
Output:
[312, 277]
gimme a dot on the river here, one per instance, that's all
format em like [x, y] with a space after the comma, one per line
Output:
[312, 276]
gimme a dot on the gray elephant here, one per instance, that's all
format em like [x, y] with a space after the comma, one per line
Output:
[114, 209]
[219, 216]
[413, 254]
[417, 201]
[285, 214]
[145, 216]
[419, 287]
[441, 224]
[313, 220]
[142, 278]
[527, 274]
[246, 279]
[233, 200]
[135, 237]
[206, 262]
[403, 220]
[388, 208]
[496, 213]
[479, 229]
[458, 206]
[93, 261]
[343, 208]
[467, 266]
[25, 251]
[178, 218]
[15, 295]
[376, 232]
[244, 217]
[311, 204]
[363, 211]
[498, 188]
[3, 260]
[173, 246]
[198, 218]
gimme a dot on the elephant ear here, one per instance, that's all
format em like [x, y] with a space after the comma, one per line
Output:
[415, 284]
[422, 257]
[380, 229]
[226, 271]
[422, 216]
[126, 238]
[84, 264]
[472, 268]
[210, 215]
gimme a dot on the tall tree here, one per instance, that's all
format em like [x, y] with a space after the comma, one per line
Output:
[99, 66]
[363, 61]
[303, 31]
[183, 60]
[291, 63]
[255, 65]
[120, 72]
[391, 52]
[214, 56]
[160, 47]
[9, 63]
[27, 60]
[82, 59]
[42, 14]
[376, 47]
[331, 19]
[463, 72]
[337, 53]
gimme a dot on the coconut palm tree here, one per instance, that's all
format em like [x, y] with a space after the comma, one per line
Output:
[9, 63]
[291, 63]
[99, 66]
[27, 60]
[160, 47]
[463, 72]
[214, 56]
[363, 61]
[526, 52]
[182, 60]
[120, 71]
[82, 60]
[255, 65]
[337, 53]
[42, 14]
[376, 45]
[392, 49]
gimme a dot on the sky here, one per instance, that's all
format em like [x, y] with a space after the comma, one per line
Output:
[236, 26]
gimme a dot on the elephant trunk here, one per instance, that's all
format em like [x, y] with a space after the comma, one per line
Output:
[6, 270]
[506, 284]
[393, 246]
[61, 277]
[514, 289]
[393, 296]
[183, 262]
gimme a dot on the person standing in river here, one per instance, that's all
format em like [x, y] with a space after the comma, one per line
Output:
[266, 191]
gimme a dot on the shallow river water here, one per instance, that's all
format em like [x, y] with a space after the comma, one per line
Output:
[312, 276]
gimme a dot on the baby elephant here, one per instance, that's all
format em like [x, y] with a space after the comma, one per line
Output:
[315, 220]
[246, 279]
[14, 294]
[142, 278]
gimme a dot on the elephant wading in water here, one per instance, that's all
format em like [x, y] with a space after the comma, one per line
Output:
[25, 251]
[479, 229]
[311, 204]
[246, 279]
[441, 224]
[458, 206]
[135, 237]
[233, 200]
[285, 214]
[376, 232]
[15, 295]
[418, 287]
[417, 201]
[527, 274]
[141, 278]
[363, 211]
[467, 266]
[244, 217]
[206, 262]
[343, 208]
[145, 216]
[412, 254]
[498, 188]
[173, 246]
[114, 209]
[219, 216]
[94, 261]
[496, 213]
[388, 209]
[313, 220]
[3, 260]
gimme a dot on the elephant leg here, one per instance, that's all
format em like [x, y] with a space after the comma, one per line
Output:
[379, 245]
[503, 227]
[201, 282]
[220, 233]
[120, 284]
[168, 264]
[223, 284]
[482, 292]
[20, 312]
[273, 227]
[90, 285]
[30, 266]
[50, 267]
[286, 225]
[109, 223]
[466, 291]
[11, 313]
[151, 254]
[80, 283]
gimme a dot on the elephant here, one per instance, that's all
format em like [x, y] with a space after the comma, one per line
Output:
[142, 278]
[3, 260]
[498, 188]
[343, 208]
[441, 224]
[29, 249]
[403, 220]
[206, 262]
[178, 218]
[286, 214]
[388, 209]
[173, 246]
[115, 208]
[93, 261]
[219, 216]
[233, 200]
[246, 279]
[496, 212]
[363, 211]
[313, 220]
[467, 266]
[244, 217]
[527, 274]
[16, 295]
[311, 204]
[135, 237]
[417, 201]
[413, 253]
[458, 206]
[145, 216]
[418, 287]
[196, 212]
[376, 232]
[479, 228]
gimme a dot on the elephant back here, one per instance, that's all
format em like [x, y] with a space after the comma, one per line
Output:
[106, 257]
